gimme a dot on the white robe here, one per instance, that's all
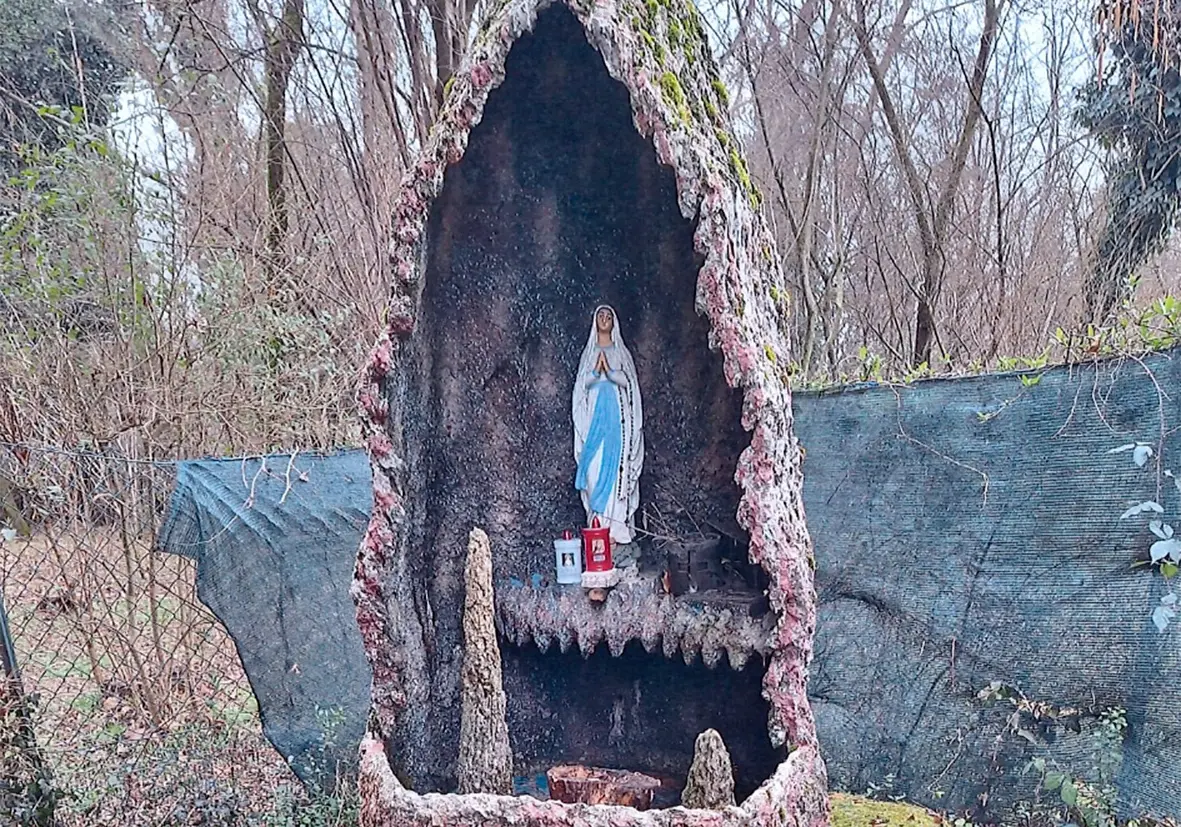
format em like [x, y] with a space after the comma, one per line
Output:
[620, 511]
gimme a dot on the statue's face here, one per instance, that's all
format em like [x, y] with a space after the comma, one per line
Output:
[604, 320]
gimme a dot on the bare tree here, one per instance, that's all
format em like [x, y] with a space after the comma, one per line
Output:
[284, 40]
[932, 219]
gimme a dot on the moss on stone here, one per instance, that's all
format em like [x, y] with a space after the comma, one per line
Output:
[722, 93]
[693, 22]
[739, 167]
[854, 811]
[676, 34]
[674, 95]
[740, 170]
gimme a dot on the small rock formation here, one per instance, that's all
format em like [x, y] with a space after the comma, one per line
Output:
[485, 760]
[711, 778]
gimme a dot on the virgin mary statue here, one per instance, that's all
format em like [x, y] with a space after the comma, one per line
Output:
[608, 423]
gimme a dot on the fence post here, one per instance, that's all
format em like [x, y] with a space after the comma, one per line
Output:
[26, 788]
[8, 651]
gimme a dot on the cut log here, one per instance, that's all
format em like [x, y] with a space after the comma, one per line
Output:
[576, 784]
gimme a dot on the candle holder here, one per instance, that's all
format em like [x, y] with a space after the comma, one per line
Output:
[600, 568]
[568, 559]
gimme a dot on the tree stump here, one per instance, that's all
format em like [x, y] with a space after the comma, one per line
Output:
[710, 785]
[485, 759]
[592, 785]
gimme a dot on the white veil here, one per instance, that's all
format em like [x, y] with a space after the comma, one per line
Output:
[626, 496]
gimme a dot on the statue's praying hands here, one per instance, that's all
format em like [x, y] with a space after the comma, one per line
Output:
[601, 366]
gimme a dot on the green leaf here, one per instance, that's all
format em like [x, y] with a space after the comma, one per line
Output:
[1169, 570]
[1069, 793]
[1053, 780]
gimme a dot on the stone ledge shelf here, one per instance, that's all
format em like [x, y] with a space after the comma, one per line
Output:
[709, 624]
[783, 799]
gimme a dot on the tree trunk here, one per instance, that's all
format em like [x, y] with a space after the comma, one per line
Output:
[283, 46]
[933, 222]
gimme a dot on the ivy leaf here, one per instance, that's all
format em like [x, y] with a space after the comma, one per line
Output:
[1161, 616]
[1141, 452]
[1053, 780]
[1161, 529]
[1166, 548]
[1069, 793]
[1168, 599]
[1169, 570]
[1147, 505]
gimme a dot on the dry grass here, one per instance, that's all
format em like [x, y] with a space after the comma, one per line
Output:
[140, 704]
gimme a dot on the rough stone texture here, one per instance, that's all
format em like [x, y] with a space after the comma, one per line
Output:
[485, 761]
[633, 611]
[554, 205]
[782, 800]
[710, 785]
[635, 711]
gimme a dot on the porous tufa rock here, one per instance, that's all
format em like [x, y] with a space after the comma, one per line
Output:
[734, 289]
[710, 785]
[633, 611]
[786, 798]
[485, 760]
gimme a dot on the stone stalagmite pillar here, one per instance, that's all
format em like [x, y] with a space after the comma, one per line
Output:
[485, 760]
[710, 785]
[610, 186]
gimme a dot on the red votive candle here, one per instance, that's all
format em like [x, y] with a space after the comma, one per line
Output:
[596, 545]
